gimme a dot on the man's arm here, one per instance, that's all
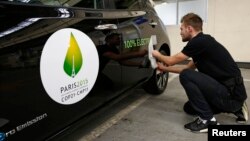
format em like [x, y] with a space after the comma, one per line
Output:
[170, 60]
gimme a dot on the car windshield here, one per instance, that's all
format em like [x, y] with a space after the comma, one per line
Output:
[94, 4]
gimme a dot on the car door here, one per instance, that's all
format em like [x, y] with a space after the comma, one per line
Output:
[140, 33]
[134, 41]
[32, 67]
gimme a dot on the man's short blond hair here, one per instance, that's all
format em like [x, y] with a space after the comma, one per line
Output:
[193, 20]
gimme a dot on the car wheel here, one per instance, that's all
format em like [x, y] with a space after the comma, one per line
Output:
[158, 81]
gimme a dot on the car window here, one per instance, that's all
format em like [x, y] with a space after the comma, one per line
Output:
[127, 4]
[83, 3]
[93, 4]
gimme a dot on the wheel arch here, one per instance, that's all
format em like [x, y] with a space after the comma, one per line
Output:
[166, 48]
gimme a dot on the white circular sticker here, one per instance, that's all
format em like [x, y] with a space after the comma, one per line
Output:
[69, 66]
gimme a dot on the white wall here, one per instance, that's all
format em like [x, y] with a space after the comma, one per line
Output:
[229, 22]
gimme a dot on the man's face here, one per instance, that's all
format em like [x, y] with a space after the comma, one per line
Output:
[185, 32]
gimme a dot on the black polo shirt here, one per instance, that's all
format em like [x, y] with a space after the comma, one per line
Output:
[211, 58]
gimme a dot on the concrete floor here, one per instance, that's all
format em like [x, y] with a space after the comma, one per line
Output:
[144, 117]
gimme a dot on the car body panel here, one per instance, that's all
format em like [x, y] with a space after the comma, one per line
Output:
[28, 112]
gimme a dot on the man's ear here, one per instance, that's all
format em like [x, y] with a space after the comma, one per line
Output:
[190, 28]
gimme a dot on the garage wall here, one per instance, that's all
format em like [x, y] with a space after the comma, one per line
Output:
[228, 21]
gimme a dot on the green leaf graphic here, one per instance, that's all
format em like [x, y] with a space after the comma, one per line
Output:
[73, 60]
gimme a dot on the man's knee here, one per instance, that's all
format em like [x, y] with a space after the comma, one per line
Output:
[184, 75]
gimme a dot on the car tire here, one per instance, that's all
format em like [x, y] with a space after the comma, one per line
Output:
[157, 83]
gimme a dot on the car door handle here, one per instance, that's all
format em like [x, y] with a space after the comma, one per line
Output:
[106, 26]
[153, 24]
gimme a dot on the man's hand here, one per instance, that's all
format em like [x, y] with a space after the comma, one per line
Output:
[156, 54]
[162, 67]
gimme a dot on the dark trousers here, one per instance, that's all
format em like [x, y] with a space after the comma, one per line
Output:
[206, 95]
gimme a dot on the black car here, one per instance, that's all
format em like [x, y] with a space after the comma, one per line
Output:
[51, 71]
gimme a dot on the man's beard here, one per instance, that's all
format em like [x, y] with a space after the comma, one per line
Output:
[185, 39]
